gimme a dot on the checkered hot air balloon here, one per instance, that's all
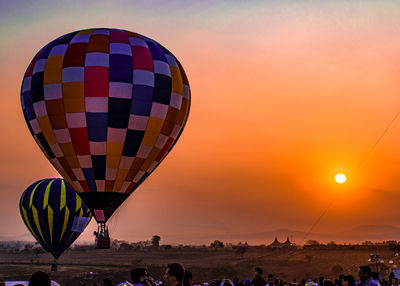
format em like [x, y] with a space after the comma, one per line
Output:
[105, 106]
[54, 214]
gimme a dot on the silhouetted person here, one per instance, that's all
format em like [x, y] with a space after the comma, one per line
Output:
[375, 277]
[328, 283]
[392, 279]
[187, 279]
[365, 277]
[216, 282]
[349, 280]
[2, 283]
[341, 277]
[174, 274]
[138, 276]
[258, 280]
[271, 280]
[39, 278]
[107, 282]
[227, 282]
[235, 281]
[321, 280]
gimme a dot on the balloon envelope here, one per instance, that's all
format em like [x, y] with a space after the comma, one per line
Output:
[105, 106]
[54, 214]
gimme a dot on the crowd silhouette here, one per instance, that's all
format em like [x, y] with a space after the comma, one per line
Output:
[176, 275]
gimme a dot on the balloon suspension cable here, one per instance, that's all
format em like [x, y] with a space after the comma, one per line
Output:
[361, 162]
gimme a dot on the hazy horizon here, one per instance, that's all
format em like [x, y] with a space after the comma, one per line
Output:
[357, 235]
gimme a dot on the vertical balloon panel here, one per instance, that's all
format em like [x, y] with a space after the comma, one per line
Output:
[54, 214]
[105, 106]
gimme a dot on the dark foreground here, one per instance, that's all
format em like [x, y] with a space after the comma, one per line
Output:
[206, 264]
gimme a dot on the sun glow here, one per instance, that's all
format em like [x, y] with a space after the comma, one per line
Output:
[340, 178]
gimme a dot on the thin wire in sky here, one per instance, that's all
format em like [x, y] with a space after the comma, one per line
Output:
[362, 161]
[380, 138]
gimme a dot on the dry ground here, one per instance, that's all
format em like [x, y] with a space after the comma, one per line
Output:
[206, 264]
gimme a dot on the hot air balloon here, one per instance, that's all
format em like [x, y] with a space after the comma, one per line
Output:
[54, 214]
[105, 106]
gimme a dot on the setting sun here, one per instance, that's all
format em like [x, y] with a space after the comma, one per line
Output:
[340, 178]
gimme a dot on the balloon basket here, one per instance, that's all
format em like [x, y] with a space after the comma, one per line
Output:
[102, 243]
[102, 237]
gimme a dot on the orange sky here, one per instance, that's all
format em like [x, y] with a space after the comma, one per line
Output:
[284, 95]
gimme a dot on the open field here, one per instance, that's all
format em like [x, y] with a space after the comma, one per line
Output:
[206, 264]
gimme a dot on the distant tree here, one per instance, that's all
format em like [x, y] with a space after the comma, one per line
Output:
[155, 241]
[125, 246]
[82, 247]
[115, 243]
[313, 242]
[217, 244]
[332, 243]
[141, 244]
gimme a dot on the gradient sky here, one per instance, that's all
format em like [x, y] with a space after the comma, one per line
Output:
[284, 95]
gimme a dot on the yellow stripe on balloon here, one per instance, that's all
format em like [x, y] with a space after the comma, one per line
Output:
[63, 197]
[33, 192]
[78, 203]
[26, 220]
[65, 223]
[50, 221]
[46, 195]
[36, 219]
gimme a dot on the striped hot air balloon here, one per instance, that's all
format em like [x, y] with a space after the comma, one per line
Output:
[54, 214]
